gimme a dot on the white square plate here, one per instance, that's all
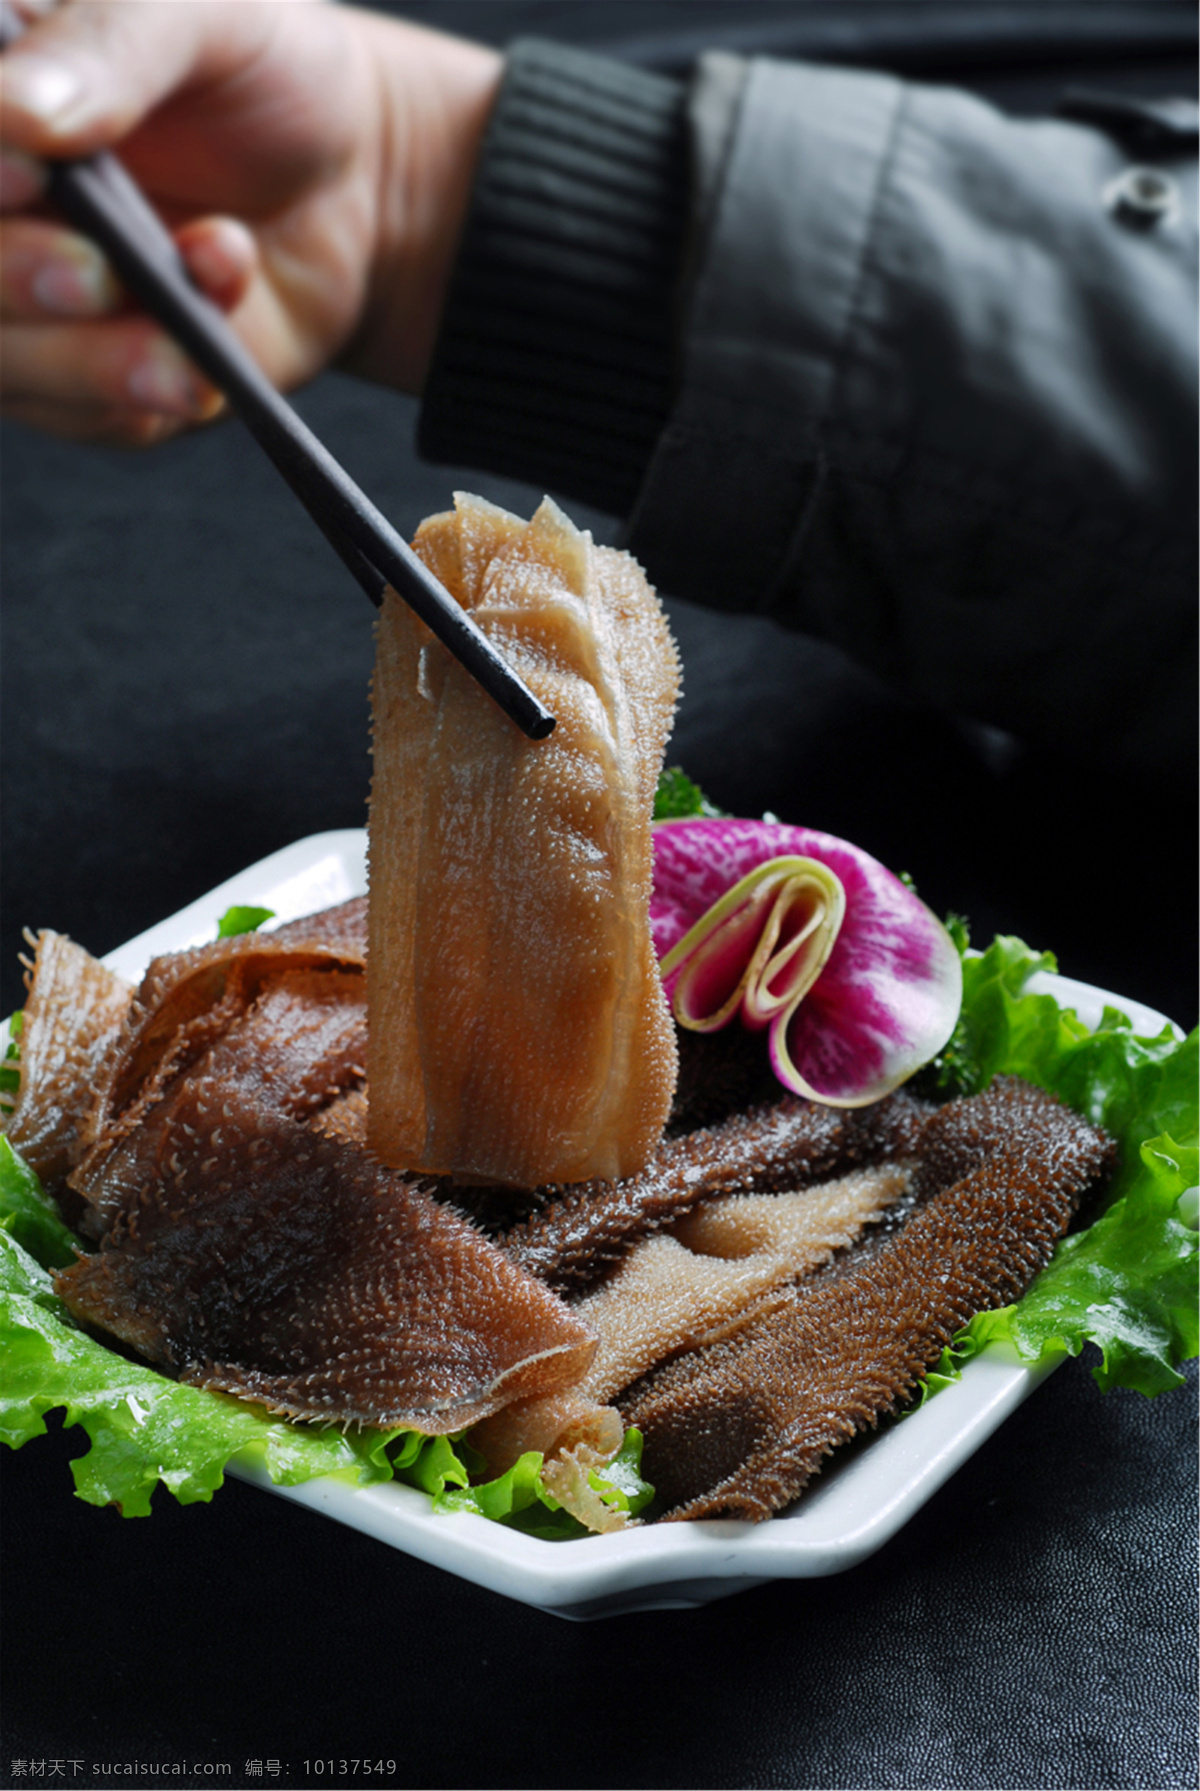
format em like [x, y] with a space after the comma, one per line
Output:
[851, 1511]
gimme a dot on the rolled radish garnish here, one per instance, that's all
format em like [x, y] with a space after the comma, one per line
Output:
[857, 981]
[760, 948]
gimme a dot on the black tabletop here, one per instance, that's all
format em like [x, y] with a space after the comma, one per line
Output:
[186, 673]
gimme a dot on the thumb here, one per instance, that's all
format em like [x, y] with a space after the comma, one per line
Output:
[83, 77]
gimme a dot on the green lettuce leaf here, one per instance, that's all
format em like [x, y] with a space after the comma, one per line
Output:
[29, 1215]
[242, 919]
[10, 1073]
[678, 798]
[521, 1500]
[431, 1463]
[1144, 1323]
[1129, 1283]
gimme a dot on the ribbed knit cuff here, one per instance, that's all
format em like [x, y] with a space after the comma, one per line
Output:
[555, 358]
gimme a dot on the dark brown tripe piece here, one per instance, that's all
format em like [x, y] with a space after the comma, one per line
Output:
[740, 1428]
[182, 985]
[263, 1260]
[720, 1073]
[241, 1248]
[294, 1048]
[571, 1243]
[343, 928]
[185, 1004]
[345, 1118]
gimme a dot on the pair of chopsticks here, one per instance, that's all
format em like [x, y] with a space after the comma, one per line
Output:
[100, 199]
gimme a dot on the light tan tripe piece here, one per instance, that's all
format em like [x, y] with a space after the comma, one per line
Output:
[518, 1031]
[723, 1265]
[72, 1020]
[678, 1291]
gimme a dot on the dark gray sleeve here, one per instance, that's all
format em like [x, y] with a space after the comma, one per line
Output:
[937, 404]
[557, 350]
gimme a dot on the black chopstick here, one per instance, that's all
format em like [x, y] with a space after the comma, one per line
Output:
[97, 195]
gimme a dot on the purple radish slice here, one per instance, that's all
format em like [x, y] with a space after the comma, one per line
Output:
[857, 980]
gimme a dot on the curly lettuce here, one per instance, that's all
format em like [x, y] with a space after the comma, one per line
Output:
[679, 799]
[1129, 1282]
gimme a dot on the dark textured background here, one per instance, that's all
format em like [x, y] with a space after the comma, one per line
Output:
[185, 672]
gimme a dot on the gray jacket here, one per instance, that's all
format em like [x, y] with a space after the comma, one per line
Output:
[927, 387]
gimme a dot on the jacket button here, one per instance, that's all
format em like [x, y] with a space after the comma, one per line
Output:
[1142, 197]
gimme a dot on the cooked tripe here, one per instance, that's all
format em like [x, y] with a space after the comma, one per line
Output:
[518, 1032]
[247, 1243]
[741, 1427]
[73, 1014]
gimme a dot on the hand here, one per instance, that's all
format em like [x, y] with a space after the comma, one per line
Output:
[314, 163]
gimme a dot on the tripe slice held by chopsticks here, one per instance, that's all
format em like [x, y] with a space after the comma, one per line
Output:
[518, 1031]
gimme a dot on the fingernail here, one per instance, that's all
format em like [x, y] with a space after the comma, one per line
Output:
[164, 380]
[44, 90]
[78, 283]
[146, 430]
[22, 179]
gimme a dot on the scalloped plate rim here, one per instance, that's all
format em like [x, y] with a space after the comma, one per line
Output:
[851, 1511]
